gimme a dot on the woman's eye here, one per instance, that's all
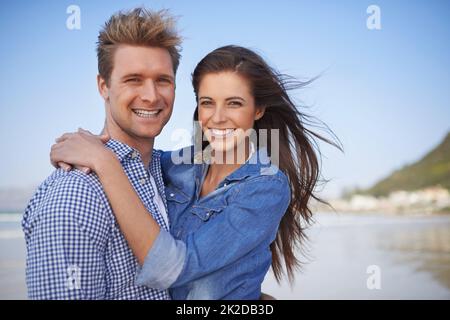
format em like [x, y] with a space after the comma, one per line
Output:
[205, 103]
[235, 103]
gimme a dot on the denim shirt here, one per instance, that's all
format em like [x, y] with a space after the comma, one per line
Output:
[219, 245]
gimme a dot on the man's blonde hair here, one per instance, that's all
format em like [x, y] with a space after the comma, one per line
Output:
[140, 27]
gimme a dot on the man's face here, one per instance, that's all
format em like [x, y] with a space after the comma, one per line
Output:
[140, 95]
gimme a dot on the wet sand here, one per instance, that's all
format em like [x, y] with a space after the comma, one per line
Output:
[412, 254]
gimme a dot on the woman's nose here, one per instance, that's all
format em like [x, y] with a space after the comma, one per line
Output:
[219, 115]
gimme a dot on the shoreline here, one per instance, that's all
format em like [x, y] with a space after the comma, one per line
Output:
[409, 214]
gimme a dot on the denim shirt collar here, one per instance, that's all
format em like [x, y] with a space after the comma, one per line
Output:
[252, 167]
[258, 164]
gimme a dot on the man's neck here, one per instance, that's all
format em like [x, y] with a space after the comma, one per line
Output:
[143, 146]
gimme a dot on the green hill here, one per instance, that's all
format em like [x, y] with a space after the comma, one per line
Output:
[433, 169]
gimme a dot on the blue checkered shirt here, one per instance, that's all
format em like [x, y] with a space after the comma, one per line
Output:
[75, 249]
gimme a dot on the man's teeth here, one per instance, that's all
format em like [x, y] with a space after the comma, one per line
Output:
[146, 113]
[221, 133]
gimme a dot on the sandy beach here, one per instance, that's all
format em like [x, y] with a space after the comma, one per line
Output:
[411, 253]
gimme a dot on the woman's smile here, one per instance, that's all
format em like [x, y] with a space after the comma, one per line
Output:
[220, 133]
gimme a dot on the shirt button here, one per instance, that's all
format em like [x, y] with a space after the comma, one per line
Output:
[224, 184]
[142, 181]
[171, 194]
[134, 154]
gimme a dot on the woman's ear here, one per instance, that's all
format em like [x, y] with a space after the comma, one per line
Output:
[102, 87]
[259, 113]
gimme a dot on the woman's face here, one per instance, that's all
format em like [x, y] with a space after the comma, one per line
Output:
[226, 109]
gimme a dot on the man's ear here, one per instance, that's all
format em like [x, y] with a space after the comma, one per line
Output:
[102, 87]
[259, 112]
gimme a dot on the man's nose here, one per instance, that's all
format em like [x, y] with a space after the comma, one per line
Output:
[149, 93]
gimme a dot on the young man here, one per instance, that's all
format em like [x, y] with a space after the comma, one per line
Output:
[75, 249]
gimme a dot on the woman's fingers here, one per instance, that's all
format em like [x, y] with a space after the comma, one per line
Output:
[65, 136]
[68, 135]
[53, 160]
[84, 169]
[64, 166]
[104, 137]
[81, 130]
[58, 164]
[77, 150]
[67, 167]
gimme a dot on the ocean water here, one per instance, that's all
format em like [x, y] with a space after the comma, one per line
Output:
[349, 256]
[12, 258]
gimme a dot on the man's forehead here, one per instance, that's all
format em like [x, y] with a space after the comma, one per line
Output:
[142, 60]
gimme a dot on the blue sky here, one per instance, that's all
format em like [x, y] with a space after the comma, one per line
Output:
[385, 93]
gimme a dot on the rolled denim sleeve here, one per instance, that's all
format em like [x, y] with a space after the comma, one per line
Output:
[252, 218]
[163, 263]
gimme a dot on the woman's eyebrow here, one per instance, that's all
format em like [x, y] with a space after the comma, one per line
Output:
[232, 98]
[227, 99]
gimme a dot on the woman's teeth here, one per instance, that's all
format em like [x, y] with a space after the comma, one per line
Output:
[219, 133]
[146, 113]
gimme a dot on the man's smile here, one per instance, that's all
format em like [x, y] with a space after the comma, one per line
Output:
[144, 113]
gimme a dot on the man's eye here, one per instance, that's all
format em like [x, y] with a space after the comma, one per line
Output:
[164, 80]
[132, 80]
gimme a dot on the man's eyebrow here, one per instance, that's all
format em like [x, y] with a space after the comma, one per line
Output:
[131, 75]
[140, 75]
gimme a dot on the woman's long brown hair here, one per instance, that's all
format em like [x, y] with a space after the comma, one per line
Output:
[298, 148]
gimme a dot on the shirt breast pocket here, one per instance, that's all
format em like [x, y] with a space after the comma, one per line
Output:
[177, 202]
[205, 213]
[174, 194]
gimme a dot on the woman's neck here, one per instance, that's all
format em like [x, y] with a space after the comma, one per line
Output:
[219, 170]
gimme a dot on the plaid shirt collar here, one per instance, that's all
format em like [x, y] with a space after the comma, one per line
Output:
[120, 149]
[126, 153]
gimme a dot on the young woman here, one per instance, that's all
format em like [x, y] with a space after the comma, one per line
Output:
[235, 205]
